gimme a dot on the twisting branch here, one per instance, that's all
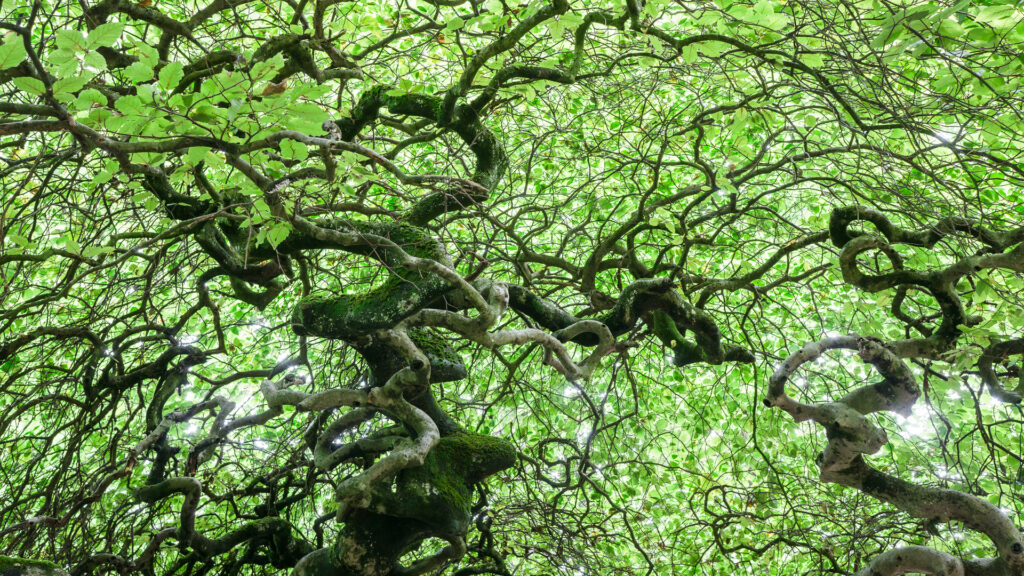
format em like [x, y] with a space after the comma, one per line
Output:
[996, 353]
[851, 436]
[1004, 251]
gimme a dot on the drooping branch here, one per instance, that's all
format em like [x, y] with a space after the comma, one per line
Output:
[275, 532]
[1004, 250]
[491, 159]
[851, 436]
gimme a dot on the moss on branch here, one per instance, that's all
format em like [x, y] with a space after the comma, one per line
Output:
[14, 566]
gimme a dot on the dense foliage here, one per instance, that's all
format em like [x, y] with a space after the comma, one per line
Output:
[470, 287]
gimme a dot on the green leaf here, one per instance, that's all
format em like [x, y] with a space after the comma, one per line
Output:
[12, 53]
[195, 155]
[21, 240]
[266, 69]
[262, 210]
[71, 40]
[105, 34]
[148, 55]
[170, 75]
[95, 60]
[91, 251]
[1001, 17]
[307, 117]
[70, 244]
[689, 54]
[454, 23]
[764, 14]
[88, 97]
[206, 114]
[139, 72]
[709, 18]
[951, 28]
[812, 60]
[293, 150]
[30, 85]
[278, 233]
[70, 85]
[888, 33]
[128, 105]
[62, 59]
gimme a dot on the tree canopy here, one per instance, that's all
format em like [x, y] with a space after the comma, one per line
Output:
[339, 287]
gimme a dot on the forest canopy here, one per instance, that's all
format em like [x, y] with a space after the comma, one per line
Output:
[402, 287]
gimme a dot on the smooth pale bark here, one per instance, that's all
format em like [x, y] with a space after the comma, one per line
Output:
[913, 560]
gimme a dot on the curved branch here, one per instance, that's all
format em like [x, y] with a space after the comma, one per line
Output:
[913, 560]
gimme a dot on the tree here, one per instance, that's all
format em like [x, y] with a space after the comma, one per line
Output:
[478, 287]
